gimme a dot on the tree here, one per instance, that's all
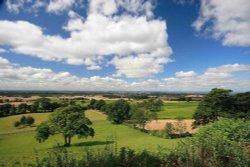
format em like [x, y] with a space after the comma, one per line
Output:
[29, 120]
[5, 109]
[22, 108]
[17, 123]
[68, 121]
[242, 105]
[100, 104]
[153, 105]
[141, 115]
[169, 129]
[218, 102]
[23, 120]
[42, 132]
[92, 104]
[118, 111]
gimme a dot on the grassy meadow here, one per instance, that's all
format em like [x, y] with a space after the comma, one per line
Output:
[20, 144]
[175, 110]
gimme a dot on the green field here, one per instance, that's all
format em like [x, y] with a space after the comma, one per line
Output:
[19, 144]
[175, 110]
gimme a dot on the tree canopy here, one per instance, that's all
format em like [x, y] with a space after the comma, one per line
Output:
[68, 121]
[118, 111]
[222, 103]
[140, 114]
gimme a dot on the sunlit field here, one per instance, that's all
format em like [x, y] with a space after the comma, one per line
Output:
[20, 144]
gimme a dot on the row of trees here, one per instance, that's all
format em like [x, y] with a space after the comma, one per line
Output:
[222, 103]
[40, 105]
[119, 111]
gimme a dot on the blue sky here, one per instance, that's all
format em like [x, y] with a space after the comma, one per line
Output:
[173, 45]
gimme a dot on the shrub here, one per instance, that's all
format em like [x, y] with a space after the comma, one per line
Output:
[17, 123]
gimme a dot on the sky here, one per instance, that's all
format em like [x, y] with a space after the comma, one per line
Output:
[125, 45]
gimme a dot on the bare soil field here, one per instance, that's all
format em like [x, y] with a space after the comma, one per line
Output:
[185, 124]
[18, 103]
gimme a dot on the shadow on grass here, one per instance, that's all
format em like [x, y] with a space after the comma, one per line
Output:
[93, 143]
[87, 143]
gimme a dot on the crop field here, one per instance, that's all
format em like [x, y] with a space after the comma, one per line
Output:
[20, 144]
[176, 110]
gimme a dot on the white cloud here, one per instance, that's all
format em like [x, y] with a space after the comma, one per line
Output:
[185, 74]
[15, 6]
[221, 76]
[92, 39]
[15, 77]
[228, 21]
[2, 50]
[143, 65]
[57, 6]
[52, 6]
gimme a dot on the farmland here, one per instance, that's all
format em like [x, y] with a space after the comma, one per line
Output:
[175, 110]
[19, 144]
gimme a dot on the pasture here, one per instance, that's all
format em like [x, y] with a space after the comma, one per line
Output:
[20, 144]
[177, 110]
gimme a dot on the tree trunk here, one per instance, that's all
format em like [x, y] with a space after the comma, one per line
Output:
[67, 141]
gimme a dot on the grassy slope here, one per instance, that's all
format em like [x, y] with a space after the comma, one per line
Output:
[6, 124]
[177, 110]
[22, 145]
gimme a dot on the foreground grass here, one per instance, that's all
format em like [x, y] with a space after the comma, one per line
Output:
[21, 146]
[177, 110]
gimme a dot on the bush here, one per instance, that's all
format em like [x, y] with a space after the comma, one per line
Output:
[29, 120]
[25, 121]
[17, 124]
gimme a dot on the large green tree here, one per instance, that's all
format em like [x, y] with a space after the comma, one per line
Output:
[218, 102]
[242, 105]
[68, 121]
[140, 115]
[118, 111]
[153, 104]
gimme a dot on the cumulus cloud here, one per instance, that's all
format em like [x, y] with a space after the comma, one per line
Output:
[133, 39]
[57, 6]
[15, 77]
[185, 74]
[52, 6]
[2, 50]
[227, 21]
[222, 76]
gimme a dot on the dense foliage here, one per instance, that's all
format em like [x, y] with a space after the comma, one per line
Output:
[118, 111]
[140, 114]
[221, 103]
[25, 121]
[68, 121]
[39, 105]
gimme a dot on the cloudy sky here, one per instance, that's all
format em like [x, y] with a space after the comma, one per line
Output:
[125, 45]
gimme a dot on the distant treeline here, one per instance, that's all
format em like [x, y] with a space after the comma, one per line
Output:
[110, 94]
[39, 105]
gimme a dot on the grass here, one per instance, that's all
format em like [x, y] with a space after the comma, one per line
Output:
[21, 146]
[7, 123]
[177, 110]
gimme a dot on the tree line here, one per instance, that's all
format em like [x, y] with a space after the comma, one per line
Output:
[39, 105]
[121, 110]
[222, 103]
